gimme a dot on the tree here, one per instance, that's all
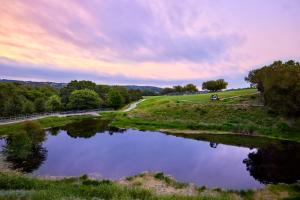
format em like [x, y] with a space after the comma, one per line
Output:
[84, 99]
[178, 88]
[16, 98]
[66, 91]
[214, 85]
[13, 106]
[115, 99]
[123, 92]
[28, 107]
[279, 86]
[167, 90]
[40, 104]
[135, 95]
[54, 103]
[190, 88]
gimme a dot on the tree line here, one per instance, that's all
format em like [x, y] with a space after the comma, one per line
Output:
[16, 98]
[211, 85]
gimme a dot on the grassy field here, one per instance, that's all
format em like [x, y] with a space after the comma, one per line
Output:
[241, 115]
[16, 186]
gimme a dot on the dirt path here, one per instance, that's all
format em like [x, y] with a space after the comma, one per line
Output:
[133, 105]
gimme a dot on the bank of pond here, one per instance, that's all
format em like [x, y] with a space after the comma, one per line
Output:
[95, 148]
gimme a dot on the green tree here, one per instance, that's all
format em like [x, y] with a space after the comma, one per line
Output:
[66, 91]
[84, 99]
[190, 88]
[123, 91]
[214, 85]
[54, 103]
[135, 95]
[28, 107]
[115, 99]
[279, 86]
[178, 88]
[40, 104]
[13, 106]
[167, 90]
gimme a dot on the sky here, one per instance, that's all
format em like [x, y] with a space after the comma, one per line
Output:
[145, 42]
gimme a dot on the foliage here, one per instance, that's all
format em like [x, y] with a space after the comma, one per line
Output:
[84, 99]
[28, 107]
[16, 99]
[190, 88]
[123, 92]
[66, 91]
[40, 104]
[115, 99]
[167, 90]
[19, 99]
[279, 84]
[214, 85]
[54, 103]
[178, 89]
[135, 95]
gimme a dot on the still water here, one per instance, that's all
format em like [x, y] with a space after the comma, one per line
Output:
[95, 149]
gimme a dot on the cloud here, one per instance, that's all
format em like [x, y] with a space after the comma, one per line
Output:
[147, 40]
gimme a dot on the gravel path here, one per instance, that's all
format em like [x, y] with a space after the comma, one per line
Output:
[133, 105]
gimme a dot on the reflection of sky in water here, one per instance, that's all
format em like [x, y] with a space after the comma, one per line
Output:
[119, 155]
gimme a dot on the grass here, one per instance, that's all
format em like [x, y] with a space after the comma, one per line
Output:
[241, 115]
[45, 123]
[16, 186]
[169, 181]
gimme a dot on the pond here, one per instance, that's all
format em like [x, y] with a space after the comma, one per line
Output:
[92, 147]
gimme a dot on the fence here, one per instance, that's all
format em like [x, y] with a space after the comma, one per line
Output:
[39, 115]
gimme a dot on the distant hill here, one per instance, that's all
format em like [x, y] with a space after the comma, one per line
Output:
[60, 85]
[35, 83]
[144, 88]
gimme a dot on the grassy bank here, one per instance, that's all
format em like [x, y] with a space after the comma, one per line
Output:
[45, 123]
[239, 112]
[16, 186]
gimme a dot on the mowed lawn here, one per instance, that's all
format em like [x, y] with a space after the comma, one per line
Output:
[243, 114]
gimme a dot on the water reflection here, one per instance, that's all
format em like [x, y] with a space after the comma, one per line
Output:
[213, 145]
[275, 163]
[24, 151]
[92, 146]
[87, 128]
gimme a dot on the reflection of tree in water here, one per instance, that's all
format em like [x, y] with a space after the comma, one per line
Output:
[23, 151]
[213, 144]
[113, 129]
[89, 128]
[275, 163]
[54, 131]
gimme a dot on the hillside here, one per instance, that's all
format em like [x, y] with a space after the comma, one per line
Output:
[35, 83]
[144, 88]
[238, 111]
[60, 85]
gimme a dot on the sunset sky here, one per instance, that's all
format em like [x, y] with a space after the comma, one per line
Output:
[145, 42]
